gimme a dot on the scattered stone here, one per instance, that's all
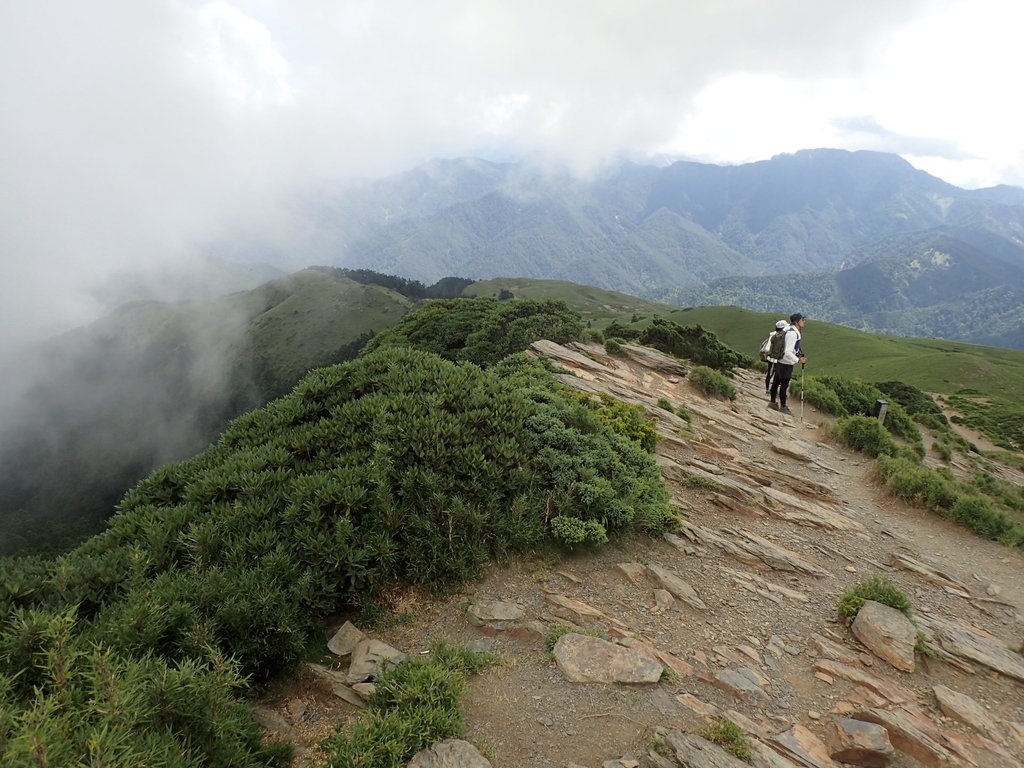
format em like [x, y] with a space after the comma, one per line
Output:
[296, 708]
[887, 633]
[888, 690]
[804, 747]
[741, 682]
[768, 589]
[908, 563]
[679, 544]
[584, 659]
[833, 651]
[364, 690]
[860, 743]
[577, 611]
[750, 653]
[570, 577]
[674, 663]
[963, 708]
[495, 614]
[663, 600]
[271, 721]
[694, 704]
[626, 761]
[850, 569]
[970, 643]
[450, 753]
[349, 695]
[634, 572]
[345, 639]
[993, 590]
[679, 588]
[913, 733]
[546, 721]
[786, 506]
[693, 751]
[370, 658]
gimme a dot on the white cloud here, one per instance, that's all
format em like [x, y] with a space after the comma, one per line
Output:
[141, 131]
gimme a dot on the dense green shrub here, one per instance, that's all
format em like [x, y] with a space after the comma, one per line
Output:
[480, 330]
[858, 398]
[713, 383]
[1004, 492]
[917, 403]
[863, 433]
[399, 466]
[978, 514]
[919, 484]
[942, 494]
[617, 330]
[999, 419]
[692, 342]
[67, 701]
[880, 590]
[626, 419]
[613, 346]
[822, 397]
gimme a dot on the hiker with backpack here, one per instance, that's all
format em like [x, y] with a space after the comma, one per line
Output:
[777, 336]
[791, 355]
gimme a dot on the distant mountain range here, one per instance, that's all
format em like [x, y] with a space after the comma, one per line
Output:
[859, 238]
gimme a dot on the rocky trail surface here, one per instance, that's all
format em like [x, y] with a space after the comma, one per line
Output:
[733, 615]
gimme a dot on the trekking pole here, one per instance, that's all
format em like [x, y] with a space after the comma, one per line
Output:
[802, 366]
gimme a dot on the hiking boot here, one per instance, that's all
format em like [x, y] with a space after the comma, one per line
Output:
[785, 409]
[773, 405]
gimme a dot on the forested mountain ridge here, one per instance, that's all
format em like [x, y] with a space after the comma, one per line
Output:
[686, 233]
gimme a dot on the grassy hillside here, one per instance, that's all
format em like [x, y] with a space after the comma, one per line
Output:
[596, 306]
[933, 365]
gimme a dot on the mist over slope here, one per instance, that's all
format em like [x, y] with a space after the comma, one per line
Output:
[105, 404]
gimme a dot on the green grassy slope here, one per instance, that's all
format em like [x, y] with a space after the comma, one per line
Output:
[933, 365]
[595, 305]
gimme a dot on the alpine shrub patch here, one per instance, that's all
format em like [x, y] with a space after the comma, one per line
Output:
[940, 492]
[398, 467]
[692, 342]
[413, 706]
[863, 433]
[713, 383]
[481, 330]
[822, 397]
[853, 397]
[918, 404]
[613, 346]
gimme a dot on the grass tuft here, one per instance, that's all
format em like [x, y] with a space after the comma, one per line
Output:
[729, 737]
[877, 588]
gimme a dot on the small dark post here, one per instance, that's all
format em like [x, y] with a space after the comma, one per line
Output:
[881, 406]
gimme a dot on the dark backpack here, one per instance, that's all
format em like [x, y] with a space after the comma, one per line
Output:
[777, 345]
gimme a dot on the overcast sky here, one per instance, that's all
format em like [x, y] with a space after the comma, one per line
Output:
[134, 132]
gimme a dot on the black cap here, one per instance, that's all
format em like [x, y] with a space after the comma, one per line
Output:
[795, 317]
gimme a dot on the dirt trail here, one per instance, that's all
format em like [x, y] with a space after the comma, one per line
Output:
[526, 714]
